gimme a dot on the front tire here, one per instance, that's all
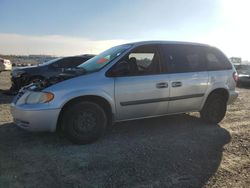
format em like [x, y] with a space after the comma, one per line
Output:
[214, 109]
[84, 122]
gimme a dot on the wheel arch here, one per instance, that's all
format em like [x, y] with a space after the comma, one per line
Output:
[104, 103]
[221, 91]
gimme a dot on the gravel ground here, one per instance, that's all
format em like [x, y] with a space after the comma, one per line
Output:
[171, 151]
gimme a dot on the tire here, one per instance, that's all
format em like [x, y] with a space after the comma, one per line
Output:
[214, 109]
[83, 122]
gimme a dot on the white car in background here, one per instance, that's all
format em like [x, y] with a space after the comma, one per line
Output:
[5, 64]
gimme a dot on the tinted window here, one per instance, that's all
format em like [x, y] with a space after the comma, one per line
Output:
[216, 60]
[144, 60]
[50, 62]
[184, 58]
[68, 62]
[78, 60]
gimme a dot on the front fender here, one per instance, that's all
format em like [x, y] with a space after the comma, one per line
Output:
[61, 100]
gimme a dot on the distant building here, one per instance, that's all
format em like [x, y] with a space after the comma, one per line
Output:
[245, 62]
[236, 60]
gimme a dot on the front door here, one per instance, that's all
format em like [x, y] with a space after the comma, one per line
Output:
[144, 90]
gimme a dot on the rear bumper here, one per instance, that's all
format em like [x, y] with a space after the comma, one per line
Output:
[244, 81]
[34, 119]
[232, 96]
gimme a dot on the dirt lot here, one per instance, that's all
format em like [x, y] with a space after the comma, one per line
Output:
[173, 151]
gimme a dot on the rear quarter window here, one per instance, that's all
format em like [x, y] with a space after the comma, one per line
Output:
[216, 60]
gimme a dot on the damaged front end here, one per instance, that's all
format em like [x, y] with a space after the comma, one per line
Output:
[39, 85]
[65, 75]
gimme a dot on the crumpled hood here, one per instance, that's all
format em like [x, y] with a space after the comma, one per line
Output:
[65, 75]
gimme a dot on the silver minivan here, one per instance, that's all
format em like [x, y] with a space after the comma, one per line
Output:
[126, 82]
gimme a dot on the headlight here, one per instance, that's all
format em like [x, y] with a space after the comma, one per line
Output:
[39, 97]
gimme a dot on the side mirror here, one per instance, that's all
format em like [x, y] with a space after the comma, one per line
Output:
[120, 69]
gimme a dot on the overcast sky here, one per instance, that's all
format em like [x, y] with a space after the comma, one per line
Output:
[60, 27]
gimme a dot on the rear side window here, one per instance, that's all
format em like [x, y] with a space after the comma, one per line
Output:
[216, 60]
[184, 58]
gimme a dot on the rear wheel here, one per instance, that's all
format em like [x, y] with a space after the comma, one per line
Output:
[214, 109]
[84, 122]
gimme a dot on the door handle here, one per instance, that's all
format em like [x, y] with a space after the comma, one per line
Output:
[162, 85]
[176, 84]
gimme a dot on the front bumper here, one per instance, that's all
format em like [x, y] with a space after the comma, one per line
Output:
[232, 96]
[36, 120]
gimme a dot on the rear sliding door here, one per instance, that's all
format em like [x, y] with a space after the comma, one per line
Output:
[188, 78]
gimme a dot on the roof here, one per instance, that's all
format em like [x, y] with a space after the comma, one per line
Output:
[167, 42]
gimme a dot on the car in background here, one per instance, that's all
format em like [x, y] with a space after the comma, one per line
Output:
[22, 76]
[243, 75]
[1, 65]
[5, 65]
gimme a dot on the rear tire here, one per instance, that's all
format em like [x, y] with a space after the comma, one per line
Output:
[214, 109]
[84, 122]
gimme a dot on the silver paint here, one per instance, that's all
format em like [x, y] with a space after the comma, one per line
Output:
[44, 117]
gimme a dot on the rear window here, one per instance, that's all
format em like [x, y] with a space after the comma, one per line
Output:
[70, 62]
[184, 58]
[217, 60]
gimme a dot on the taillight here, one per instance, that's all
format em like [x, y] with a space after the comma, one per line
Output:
[235, 76]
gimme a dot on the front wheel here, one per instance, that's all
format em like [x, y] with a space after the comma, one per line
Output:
[214, 109]
[84, 122]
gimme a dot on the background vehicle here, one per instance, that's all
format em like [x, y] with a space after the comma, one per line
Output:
[5, 65]
[131, 81]
[1, 65]
[26, 75]
[243, 75]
